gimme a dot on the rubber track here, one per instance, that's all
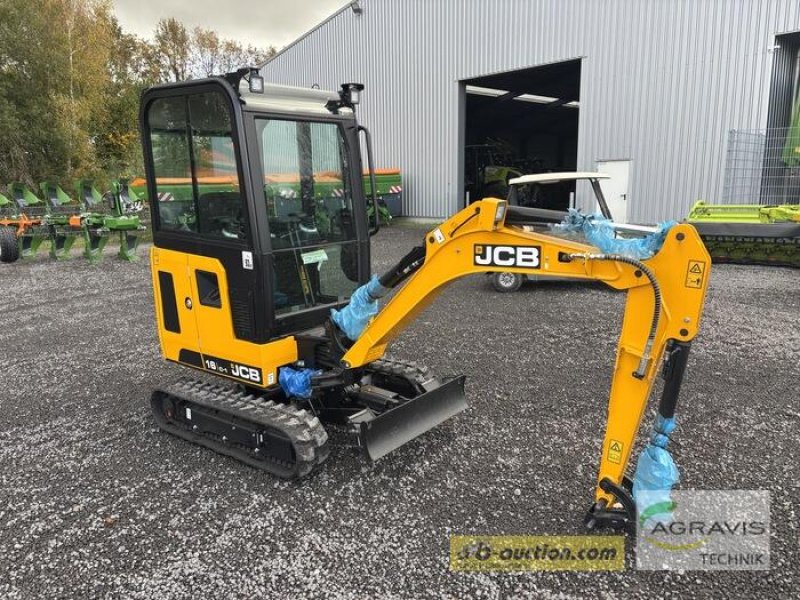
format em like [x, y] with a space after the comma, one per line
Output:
[411, 371]
[304, 430]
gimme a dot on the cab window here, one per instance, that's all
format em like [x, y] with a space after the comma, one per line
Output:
[308, 196]
[172, 164]
[194, 161]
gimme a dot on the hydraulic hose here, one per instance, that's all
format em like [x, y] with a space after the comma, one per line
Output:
[408, 265]
[641, 371]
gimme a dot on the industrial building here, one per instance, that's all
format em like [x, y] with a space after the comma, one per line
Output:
[677, 100]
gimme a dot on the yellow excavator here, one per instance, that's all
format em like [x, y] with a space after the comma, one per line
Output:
[261, 258]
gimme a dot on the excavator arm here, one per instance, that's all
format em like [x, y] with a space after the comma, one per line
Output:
[665, 296]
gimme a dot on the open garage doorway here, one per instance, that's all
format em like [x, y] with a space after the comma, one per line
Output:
[518, 123]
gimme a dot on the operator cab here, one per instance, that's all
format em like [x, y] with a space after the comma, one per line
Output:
[266, 180]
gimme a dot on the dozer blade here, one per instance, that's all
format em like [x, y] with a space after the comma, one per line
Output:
[379, 435]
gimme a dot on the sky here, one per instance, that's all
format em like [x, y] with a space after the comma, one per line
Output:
[258, 22]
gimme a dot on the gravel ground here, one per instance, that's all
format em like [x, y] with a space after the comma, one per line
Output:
[97, 503]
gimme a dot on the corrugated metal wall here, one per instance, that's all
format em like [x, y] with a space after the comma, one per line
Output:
[662, 82]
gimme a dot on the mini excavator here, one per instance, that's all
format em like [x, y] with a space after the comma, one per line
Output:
[260, 231]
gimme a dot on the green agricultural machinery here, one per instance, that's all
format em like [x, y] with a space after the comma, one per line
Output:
[12, 224]
[29, 214]
[389, 190]
[59, 219]
[749, 234]
[282, 193]
[116, 212]
[27, 220]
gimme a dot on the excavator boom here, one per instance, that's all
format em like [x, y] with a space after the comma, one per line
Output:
[665, 297]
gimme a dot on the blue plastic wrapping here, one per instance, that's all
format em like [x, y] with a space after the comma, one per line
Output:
[656, 472]
[354, 317]
[296, 382]
[599, 232]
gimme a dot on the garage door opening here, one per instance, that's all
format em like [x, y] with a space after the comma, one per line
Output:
[518, 123]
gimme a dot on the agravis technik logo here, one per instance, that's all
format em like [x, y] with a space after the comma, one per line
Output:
[704, 530]
[656, 520]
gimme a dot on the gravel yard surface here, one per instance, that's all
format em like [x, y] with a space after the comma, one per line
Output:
[96, 502]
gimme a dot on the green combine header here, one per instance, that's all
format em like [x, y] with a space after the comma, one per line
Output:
[749, 233]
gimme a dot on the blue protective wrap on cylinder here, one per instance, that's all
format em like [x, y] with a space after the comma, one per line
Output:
[599, 232]
[354, 317]
[296, 382]
[656, 472]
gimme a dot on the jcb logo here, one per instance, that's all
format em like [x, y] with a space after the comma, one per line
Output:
[526, 257]
[245, 372]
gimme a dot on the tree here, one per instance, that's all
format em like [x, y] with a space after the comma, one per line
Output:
[50, 86]
[24, 101]
[207, 52]
[213, 56]
[70, 82]
[131, 59]
[131, 69]
[174, 48]
[79, 99]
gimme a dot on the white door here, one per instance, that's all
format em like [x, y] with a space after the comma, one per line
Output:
[615, 189]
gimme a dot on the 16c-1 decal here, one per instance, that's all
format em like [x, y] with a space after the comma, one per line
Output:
[525, 257]
[232, 369]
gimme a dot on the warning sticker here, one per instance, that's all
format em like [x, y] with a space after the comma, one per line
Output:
[695, 274]
[615, 451]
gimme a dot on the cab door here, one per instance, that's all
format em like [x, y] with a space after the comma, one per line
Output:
[318, 244]
[202, 220]
[177, 326]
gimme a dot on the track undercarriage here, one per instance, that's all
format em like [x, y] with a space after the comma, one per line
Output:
[384, 405]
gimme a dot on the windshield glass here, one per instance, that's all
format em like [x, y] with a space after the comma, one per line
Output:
[308, 196]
